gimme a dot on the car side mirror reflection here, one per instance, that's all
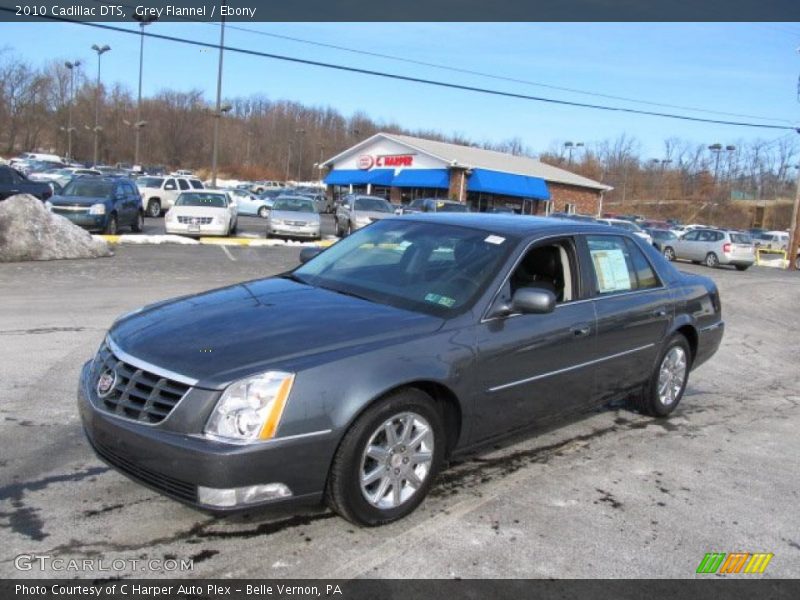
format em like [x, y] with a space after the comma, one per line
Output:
[306, 254]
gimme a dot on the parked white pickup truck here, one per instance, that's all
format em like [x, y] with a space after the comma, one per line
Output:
[159, 193]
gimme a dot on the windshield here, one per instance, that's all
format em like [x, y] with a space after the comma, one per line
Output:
[428, 267]
[663, 234]
[151, 182]
[372, 205]
[89, 189]
[294, 205]
[451, 207]
[212, 200]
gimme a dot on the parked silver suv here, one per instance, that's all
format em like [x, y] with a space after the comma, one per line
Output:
[357, 211]
[713, 247]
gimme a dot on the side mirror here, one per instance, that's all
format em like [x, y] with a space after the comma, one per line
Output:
[306, 254]
[533, 301]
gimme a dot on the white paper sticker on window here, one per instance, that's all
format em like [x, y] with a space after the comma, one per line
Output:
[612, 270]
[495, 239]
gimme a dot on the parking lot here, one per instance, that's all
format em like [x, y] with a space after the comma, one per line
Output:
[614, 494]
[247, 227]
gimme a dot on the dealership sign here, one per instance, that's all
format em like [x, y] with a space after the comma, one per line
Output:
[367, 161]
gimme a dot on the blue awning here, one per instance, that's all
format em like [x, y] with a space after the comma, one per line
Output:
[422, 178]
[507, 184]
[360, 177]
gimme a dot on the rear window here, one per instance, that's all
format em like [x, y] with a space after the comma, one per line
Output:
[372, 204]
[741, 238]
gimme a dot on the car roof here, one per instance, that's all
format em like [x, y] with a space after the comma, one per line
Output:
[514, 225]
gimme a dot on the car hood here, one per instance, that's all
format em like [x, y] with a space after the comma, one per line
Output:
[77, 200]
[292, 215]
[219, 336]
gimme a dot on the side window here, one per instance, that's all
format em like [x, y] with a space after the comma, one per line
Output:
[645, 275]
[705, 236]
[183, 184]
[5, 177]
[170, 185]
[196, 184]
[550, 266]
[691, 236]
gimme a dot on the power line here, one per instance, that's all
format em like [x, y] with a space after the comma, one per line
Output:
[408, 78]
[474, 72]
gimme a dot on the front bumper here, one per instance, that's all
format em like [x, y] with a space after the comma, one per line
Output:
[175, 463]
[186, 229]
[312, 232]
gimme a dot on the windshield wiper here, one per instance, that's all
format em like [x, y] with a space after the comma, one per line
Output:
[292, 277]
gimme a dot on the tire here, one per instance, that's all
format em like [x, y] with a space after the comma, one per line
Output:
[669, 253]
[349, 228]
[233, 228]
[742, 267]
[112, 225]
[653, 401]
[263, 212]
[138, 223]
[392, 495]
[797, 263]
[154, 208]
[711, 260]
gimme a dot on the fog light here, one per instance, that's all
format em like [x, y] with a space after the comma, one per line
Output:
[251, 494]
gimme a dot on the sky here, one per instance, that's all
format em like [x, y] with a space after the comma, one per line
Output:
[742, 68]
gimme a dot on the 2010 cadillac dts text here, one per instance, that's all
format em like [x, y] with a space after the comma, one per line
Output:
[353, 377]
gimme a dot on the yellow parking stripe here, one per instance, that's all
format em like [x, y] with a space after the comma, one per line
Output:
[226, 241]
[111, 239]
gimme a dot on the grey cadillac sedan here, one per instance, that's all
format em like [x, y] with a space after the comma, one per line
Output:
[354, 377]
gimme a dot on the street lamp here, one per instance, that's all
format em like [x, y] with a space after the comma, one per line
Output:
[144, 20]
[97, 129]
[71, 66]
[570, 146]
[219, 109]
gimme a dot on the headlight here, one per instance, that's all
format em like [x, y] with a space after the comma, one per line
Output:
[97, 209]
[219, 220]
[276, 221]
[250, 409]
[170, 216]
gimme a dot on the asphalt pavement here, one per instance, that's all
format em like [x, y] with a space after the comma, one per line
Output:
[612, 494]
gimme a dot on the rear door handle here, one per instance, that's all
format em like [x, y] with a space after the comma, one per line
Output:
[581, 330]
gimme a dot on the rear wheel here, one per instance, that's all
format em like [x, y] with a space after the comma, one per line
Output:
[662, 393]
[711, 260]
[154, 208]
[138, 223]
[388, 459]
[112, 225]
[263, 212]
[669, 253]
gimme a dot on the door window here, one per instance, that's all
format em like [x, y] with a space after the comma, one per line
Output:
[691, 236]
[550, 266]
[170, 185]
[619, 266]
[183, 184]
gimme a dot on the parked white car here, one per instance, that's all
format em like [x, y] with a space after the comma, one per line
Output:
[773, 240]
[159, 193]
[202, 212]
[630, 226]
[63, 176]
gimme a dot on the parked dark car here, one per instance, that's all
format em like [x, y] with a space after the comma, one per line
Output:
[101, 204]
[433, 205]
[450, 330]
[13, 182]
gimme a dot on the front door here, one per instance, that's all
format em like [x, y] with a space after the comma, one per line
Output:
[535, 366]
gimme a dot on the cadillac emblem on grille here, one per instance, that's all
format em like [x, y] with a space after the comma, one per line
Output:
[106, 382]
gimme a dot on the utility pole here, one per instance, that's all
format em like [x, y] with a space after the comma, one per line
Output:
[100, 51]
[218, 112]
[138, 124]
[302, 132]
[794, 235]
[72, 66]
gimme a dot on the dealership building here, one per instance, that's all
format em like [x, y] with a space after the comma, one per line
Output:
[403, 168]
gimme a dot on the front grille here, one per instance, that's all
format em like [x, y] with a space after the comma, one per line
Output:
[137, 394]
[70, 209]
[195, 220]
[296, 223]
[168, 485]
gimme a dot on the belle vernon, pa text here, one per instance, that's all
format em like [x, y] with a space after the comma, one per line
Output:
[167, 591]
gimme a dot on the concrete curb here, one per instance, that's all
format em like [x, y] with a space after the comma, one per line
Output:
[142, 239]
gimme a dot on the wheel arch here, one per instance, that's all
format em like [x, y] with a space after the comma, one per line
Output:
[689, 331]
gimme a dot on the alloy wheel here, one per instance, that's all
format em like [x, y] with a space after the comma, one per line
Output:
[397, 460]
[672, 375]
[669, 254]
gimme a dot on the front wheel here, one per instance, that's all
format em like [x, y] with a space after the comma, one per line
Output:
[388, 460]
[112, 225]
[154, 208]
[711, 260]
[138, 223]
[263, 212]
[662, 393]
[669, 253]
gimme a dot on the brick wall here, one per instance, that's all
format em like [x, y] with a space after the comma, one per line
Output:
[586, 201]
[457, 190]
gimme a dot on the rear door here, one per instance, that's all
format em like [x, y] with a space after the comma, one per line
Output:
[686, 247]
[170, 190]
[633, 309]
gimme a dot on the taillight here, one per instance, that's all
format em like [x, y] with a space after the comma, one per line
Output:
[726, 248]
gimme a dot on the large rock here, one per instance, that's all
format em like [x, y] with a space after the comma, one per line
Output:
[28, 231]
